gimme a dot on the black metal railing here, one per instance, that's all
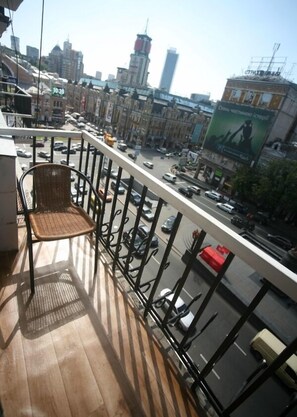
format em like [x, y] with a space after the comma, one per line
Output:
[120, 220]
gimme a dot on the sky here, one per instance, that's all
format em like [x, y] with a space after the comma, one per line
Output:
[215, 39]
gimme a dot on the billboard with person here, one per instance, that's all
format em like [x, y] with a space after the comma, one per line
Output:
[238, 132]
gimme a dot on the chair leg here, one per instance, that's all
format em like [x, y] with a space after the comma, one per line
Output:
[96, 253]
[31, 264]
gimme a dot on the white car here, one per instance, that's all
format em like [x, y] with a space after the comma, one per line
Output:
[23, 154]
[213, 195]
[64, 162]
[179, 307]
[148, 164]
[226, 207]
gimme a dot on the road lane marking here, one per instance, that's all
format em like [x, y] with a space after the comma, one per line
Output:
[240, 349]
[214, 372]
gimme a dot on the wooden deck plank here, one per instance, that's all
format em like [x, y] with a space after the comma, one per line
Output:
[80, 348]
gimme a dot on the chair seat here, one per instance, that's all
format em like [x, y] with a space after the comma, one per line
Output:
[68, 222]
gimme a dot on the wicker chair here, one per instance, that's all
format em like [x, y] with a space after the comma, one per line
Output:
[49, 210]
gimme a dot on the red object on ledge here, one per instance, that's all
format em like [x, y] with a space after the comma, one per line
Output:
[213, 258]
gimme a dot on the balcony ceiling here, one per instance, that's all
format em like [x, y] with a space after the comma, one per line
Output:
[10, 4]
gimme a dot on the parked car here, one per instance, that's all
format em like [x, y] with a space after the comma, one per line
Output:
[195, 189]
[186, 192]
[132, 156]
[38, 144]
[167, 226]
[135, 198]
[148, 164]
[105, 196]
[114, 173]
[213, 195]
[138, 248]
[70, 151]
[43, 154]
[226, 207]
[261, 217]
[60, 147]
[183, 322]
[120, 189]
[143, 231]
[242, 223]
[147, 214]
[280, 241]
[64, 162]
[24, 154]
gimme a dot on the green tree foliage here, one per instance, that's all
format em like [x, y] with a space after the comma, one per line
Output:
[244, 181]
[277, 186]
[273, 187]
[106, 89]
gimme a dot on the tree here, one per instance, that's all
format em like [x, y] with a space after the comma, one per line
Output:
[135, 95]
[276, 188]
[244, 181]
[106, 89]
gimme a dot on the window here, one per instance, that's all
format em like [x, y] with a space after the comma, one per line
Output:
[235, 95]
[249, 97]
[266, 99]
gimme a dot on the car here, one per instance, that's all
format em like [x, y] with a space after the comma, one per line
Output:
[280, 241]
[169, 154]
[135, 198]
[143, 231]
[167, 226]
[179, 307]
[226, 207]
[23, 154]
[38, 144]
[195, 189]
[242, 223]
[43, 154]
[64, 162]
[114, 173]
[79, 147]
[105, 196]
[132, 156]
[60, 147]
[148, 164]
[70, 151]
[261, 217]
[138, 248]
[120, 189]
[169, 177]
[147, 214]
[213, 195]
[186, 192]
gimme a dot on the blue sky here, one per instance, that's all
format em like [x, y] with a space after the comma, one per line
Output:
[215, 39]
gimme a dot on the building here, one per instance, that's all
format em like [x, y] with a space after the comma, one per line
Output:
[32, 53]
[68, 63]
[98, 75]
[137, 74]
[257, 112]
[168, 70]
[15, 43]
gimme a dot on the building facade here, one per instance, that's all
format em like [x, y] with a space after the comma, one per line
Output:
[15, 43]
[168, 70]
[256, 116]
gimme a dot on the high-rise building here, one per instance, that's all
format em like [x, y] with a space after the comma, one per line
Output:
[67, 63]
[98, 75]
[15, 43]
[139, 62]
[32, 53]
[168, 70]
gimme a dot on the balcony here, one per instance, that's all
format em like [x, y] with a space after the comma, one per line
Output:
[103, 345]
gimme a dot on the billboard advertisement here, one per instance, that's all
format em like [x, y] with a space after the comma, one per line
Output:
[238, 132]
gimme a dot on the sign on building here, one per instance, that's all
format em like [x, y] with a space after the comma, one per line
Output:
[238, 131]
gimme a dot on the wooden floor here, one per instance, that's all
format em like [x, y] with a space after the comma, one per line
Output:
[79, 347]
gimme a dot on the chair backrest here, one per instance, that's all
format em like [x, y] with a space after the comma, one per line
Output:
[52, 186]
